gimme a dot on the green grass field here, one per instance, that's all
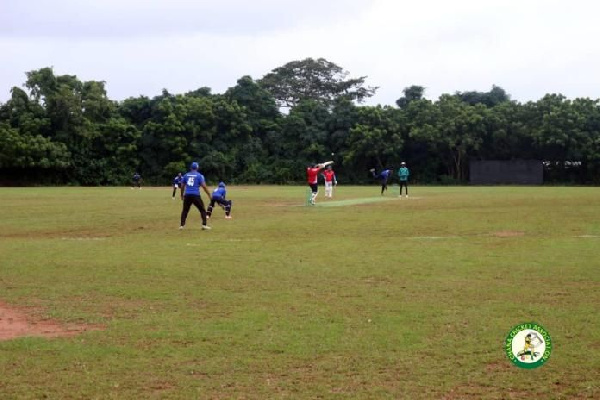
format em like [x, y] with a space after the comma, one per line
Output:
[351, 299]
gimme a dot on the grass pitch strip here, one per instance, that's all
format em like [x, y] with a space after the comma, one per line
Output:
[360, 297]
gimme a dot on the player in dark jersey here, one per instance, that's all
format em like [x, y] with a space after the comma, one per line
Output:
[190, 194]
[177, 183]
[136, 181]
[219, 197]
[383, 177]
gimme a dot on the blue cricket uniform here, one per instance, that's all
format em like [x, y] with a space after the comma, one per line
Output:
[385, 174]
[193, 180]
[176, 183]
[219, 193]
[219, 197]
[136, 180]
[383, 178]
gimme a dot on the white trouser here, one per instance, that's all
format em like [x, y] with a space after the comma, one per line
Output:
[328, 189]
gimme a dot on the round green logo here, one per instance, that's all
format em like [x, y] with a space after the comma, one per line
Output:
[528, 345]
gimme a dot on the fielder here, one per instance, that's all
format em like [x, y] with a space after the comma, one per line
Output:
[218, 196]
[177, 183]
[136, 181]
[190, 194]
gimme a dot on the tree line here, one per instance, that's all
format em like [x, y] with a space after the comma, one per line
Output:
[58, 129]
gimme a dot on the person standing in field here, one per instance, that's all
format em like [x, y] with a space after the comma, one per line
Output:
[330, 181]
[403, 174]
[312, 176]
[190, 194]
[177, 183]
[136, 180]
[383, 177]
[219, 197]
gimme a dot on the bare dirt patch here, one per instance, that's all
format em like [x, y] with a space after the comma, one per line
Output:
[508, 233]
[16, 323]
[498, 366]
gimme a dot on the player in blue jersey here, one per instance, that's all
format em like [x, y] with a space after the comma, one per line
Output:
[219, 197]
[136, 180]
[177, 183]
[190, 194]
[383, 177]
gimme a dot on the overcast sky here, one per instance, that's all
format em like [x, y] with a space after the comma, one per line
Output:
[139, 47]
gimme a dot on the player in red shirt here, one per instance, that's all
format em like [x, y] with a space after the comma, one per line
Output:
[330, 181]
[312, 176]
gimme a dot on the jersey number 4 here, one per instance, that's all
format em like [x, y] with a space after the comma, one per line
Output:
[190, 181]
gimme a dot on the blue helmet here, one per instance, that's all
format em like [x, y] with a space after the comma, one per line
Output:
[194, 165]
[221, 184]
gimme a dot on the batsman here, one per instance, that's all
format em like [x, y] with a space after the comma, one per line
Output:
[312, 176]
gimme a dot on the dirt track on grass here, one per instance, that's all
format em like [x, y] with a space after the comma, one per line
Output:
[16, 323]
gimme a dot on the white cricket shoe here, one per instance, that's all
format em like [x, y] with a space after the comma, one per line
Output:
[206, 228]
[228, 217]
[181, 228]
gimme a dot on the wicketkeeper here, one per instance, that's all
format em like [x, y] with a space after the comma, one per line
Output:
[219, 197]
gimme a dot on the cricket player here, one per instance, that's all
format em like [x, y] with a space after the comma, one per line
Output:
[190, 194]
[330, 181]
[403, 174]
[219, 197]
[177, 183]
[136, 180]
[312, 176]
[383, 177]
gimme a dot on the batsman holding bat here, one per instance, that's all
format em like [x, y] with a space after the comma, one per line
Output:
[312, 176]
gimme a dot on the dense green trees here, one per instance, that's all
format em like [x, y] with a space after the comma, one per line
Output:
[61, 130]
[318, 80]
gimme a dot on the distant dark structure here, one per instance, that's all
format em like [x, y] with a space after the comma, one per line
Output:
[514, 172]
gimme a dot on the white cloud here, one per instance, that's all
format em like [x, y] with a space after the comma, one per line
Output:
[528, 47]
[151, 18]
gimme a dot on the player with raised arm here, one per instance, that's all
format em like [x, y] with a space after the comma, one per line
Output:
[190, 194]
[383, 177]
[219, 197]
[330, 181]
[312, 176]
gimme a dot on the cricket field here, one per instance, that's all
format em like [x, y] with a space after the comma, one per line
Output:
[358, 297]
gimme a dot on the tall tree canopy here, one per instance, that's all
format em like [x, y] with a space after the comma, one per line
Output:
[410, 94]
[492, 98]
[317, 80]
